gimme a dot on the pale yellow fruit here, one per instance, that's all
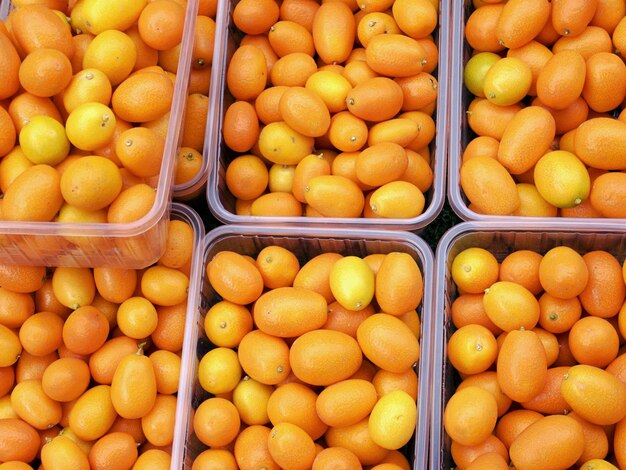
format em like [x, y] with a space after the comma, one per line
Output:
[331, 87]
[279, 143]
[352, 282]
[393, 419]
[562, 179]
[100, 15]
[219, 370]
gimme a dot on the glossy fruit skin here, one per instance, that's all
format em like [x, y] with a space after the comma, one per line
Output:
[480, 28]
[113, 446]
[334, 196]
[550, 400]
[401, 131]
[287, 36]
[522, 365]
[57, 375]
[158, 424]
[270, 366]
[44, 141]
[521, 21]
[551, 442]
[488, 380]
[219, 371]
[605, 86]
[352, 283]
[557, 90]
[381, 163]
[247, 64]
[286, 436]
[357, 439]
[309, 167]
[24, 200]
[488, 119]
[37, 26]
[93, 414]
[399, 284]
[229, 269]
[472, 349]
[130, 99]
[251, 398]
[241, 126]
[12, 345]
[531, 123]
[104, 362]
[164, 286]
[474, 270]
[10, 66]
[393, 419]
[562, 179]
[280, 143]
[605, 291]
[489, 186]
[507, 81]
[217, 421]
[62, 451]
[390, 200]
[475, 71]
[470, 425]
[133, 388]
[334, 30]
[409, 55]
[563, 272]
[32, 405]
[331, 87]
[305, 111]
[607, 194]
[323, 357]
[289, 311]
[601, 136]
[335, 397]
[388, 342]
[21, 440]
[536, 55]
[594, 394]
[362, 99]
[91, 183]
[571, 17]
[511, 306]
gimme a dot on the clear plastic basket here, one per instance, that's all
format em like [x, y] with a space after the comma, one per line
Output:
[132, 245]
[196, 187]
[307, 243]
[460, 133]
[500, 239]
[185, 213]
[222, 203]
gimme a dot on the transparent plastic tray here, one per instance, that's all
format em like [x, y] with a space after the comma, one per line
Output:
[460, 133]
[222, 203]
[185, 213]
[500, 239]
[307, 243]
[132, 245]
[196, 187]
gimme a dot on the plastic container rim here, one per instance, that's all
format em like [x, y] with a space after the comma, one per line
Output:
[420, 249]
[165, 182]
[440, 298]
[183, 212]
[441, 142]
[456, 88]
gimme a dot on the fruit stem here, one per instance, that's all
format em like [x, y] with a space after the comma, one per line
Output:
[140, 347]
